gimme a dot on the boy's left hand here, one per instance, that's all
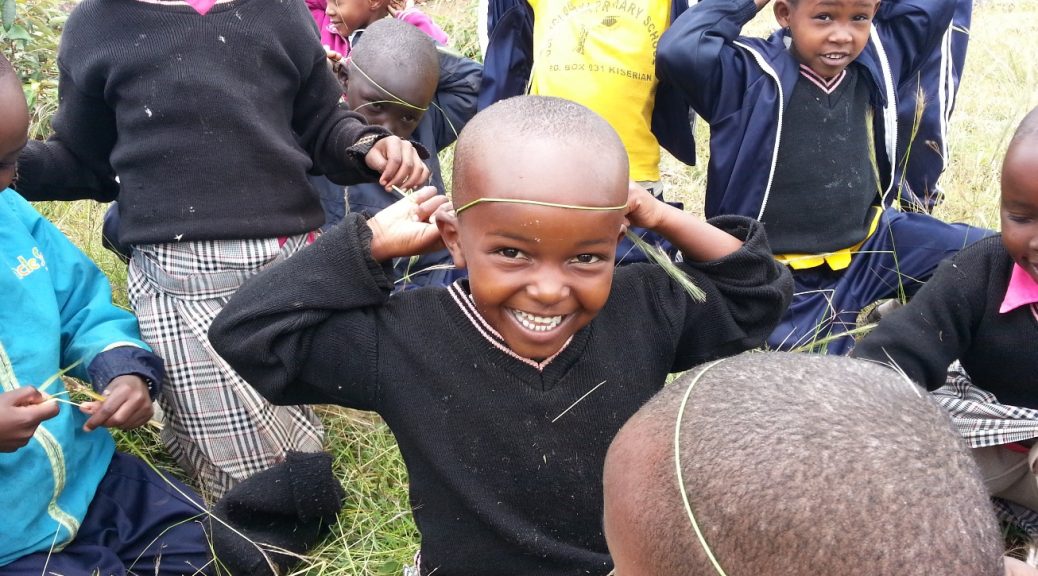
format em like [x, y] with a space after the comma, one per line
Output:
[127, 405]
[643, 209]
[398, 162]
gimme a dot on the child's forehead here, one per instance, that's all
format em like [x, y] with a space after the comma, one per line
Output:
[822, 4]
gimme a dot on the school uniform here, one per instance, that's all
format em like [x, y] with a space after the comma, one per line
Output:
[504, 453]
[212, 124]
[744, 87]
[67, 490]
[981, 309]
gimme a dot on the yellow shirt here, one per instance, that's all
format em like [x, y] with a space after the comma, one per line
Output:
[602, 54]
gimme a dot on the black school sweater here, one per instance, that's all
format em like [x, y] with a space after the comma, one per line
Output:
[503, 479]
[955, 315]
[210, 122]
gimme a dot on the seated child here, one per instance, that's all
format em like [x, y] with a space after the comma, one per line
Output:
[505, 389]
[72, 504]
[981, 308]
[206, 134]
[796, 121]
[796, 465]
[400, 80]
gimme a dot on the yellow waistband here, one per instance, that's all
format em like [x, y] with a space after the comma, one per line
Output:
[838, 259]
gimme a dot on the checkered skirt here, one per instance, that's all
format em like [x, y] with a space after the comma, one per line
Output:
[218, 427]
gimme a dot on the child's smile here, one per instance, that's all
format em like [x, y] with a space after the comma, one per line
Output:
[538, 274]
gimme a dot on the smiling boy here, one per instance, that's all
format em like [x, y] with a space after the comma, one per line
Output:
[804, 139]
[504, 390]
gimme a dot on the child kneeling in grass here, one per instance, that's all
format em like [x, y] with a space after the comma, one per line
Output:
[981, 308]
[797, 465]
[505, 389]
[72, 504]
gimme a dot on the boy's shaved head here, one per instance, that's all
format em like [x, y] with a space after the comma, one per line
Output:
[1027, 131]
[507, 131]
[391, 51]
[797, 465]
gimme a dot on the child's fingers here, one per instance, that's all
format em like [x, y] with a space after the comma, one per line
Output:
[402, 157]
[429, 206]
[25, 396]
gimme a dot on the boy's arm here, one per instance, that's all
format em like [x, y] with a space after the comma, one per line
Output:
[911, 31]
[306, 331]
[100, 339]
[509, 58]
[747, 291]
[73, 164]
[696, 54]
[456, 94]
[933, 329]
[697, 240]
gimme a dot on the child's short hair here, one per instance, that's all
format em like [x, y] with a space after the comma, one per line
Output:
[798, 464]
[524, 118]
[390, 46]
[1027, 131]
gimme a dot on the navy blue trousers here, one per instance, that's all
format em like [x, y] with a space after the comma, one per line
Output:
[136, 524]
[895, 261]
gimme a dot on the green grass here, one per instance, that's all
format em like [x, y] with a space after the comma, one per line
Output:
[375, 534]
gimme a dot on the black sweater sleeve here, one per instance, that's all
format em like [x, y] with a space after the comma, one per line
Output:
[306, 330]
[746, 294]
[937, 325]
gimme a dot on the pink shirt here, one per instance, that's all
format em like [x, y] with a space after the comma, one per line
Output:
[1022, 290]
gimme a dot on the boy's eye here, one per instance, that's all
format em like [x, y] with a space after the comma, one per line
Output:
[1019, 218]
[409, 119]
[510, 253]
[862, 18]
[587, 259]
[824, 17]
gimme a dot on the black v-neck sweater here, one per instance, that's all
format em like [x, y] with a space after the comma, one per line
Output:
[955, 316]
[505, 461]
[210, 122]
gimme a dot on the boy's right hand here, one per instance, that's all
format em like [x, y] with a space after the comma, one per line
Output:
[398, 162]
[404, 228]
[21, 411]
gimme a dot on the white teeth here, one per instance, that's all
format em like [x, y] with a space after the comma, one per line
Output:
[536, 323]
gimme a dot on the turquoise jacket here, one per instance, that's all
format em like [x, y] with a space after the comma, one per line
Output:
[57, 310]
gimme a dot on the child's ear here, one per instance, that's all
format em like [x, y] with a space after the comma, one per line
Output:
[783, 10]
[447, 222]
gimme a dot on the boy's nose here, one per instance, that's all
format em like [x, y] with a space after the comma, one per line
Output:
[840, 35]
[547, 288]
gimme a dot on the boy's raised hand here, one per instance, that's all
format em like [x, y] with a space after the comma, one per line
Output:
[404, 228]
[643, 209]
[21, 411]
[697, 240]
[398, 162]
[126, 405]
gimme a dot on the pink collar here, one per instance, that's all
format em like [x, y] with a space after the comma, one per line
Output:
[201, 6]
[1022, 290]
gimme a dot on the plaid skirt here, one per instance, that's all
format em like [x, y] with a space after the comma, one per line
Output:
[218, 428]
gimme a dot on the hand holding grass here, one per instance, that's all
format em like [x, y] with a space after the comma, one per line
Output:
[697, 240]
[21, 412]
[398, 162]
[126, 405]
[405, 227]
